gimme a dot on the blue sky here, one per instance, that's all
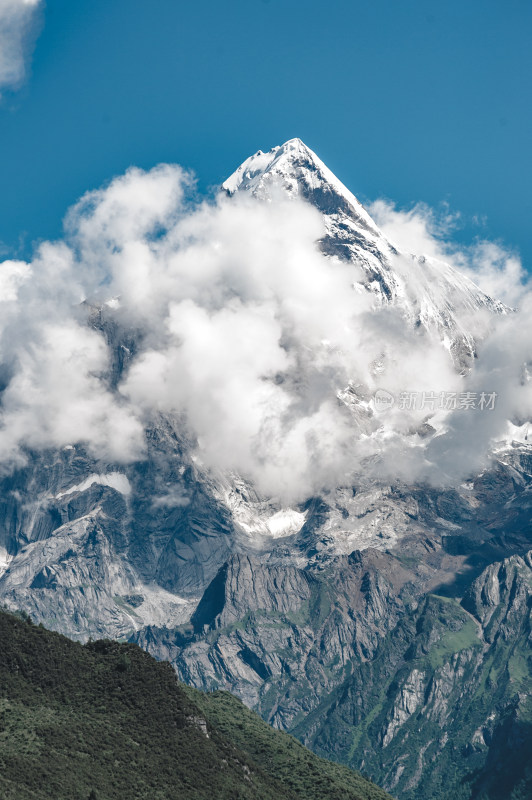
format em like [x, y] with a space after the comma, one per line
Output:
[413, 101]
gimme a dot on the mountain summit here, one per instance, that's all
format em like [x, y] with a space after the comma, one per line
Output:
[428, 292]
[297, 170]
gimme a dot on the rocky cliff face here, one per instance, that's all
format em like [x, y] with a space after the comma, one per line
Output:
[281, 636]
[427, 713]
[418, 690]
[92, 549]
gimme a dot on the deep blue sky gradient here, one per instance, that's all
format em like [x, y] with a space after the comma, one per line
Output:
[413, 100]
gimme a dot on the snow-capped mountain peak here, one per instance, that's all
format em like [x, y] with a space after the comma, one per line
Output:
[430, 293]
[298, 170]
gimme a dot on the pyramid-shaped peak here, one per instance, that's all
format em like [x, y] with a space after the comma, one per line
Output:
[295, 150]
[291, 148]
[280, 159]
[296, 169]
[295, 146]
[294, 143]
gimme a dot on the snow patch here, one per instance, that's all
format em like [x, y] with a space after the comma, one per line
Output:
[5, 560]
[285, 522]
[115, 480]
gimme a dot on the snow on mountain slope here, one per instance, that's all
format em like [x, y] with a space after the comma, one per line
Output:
[428, 292]
[301, 173]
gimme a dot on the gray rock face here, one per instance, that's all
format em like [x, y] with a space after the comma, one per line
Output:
[280, 636]
[499, 597]
[423, 714]
[79, 538]
[243, 587]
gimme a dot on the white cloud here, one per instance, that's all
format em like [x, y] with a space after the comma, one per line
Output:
[53, 365]
[504, 357]
[246, 331]
[18, 23]
[175, 497]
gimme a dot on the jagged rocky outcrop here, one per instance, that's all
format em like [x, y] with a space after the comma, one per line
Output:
[79, 538]
[280, 636]
[426, 715]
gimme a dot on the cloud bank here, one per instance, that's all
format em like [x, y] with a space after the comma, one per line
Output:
[243, 328]
[18, 22]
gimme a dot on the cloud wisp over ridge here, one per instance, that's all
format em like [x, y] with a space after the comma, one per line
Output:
[249, 333]
[496, 270]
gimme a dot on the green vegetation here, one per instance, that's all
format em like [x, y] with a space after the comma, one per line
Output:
[440, 712]
[107, 721]
[462, 633]
[305, 774]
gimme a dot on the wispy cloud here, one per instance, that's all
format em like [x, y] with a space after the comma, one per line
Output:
[496, 269]
[18, 26]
